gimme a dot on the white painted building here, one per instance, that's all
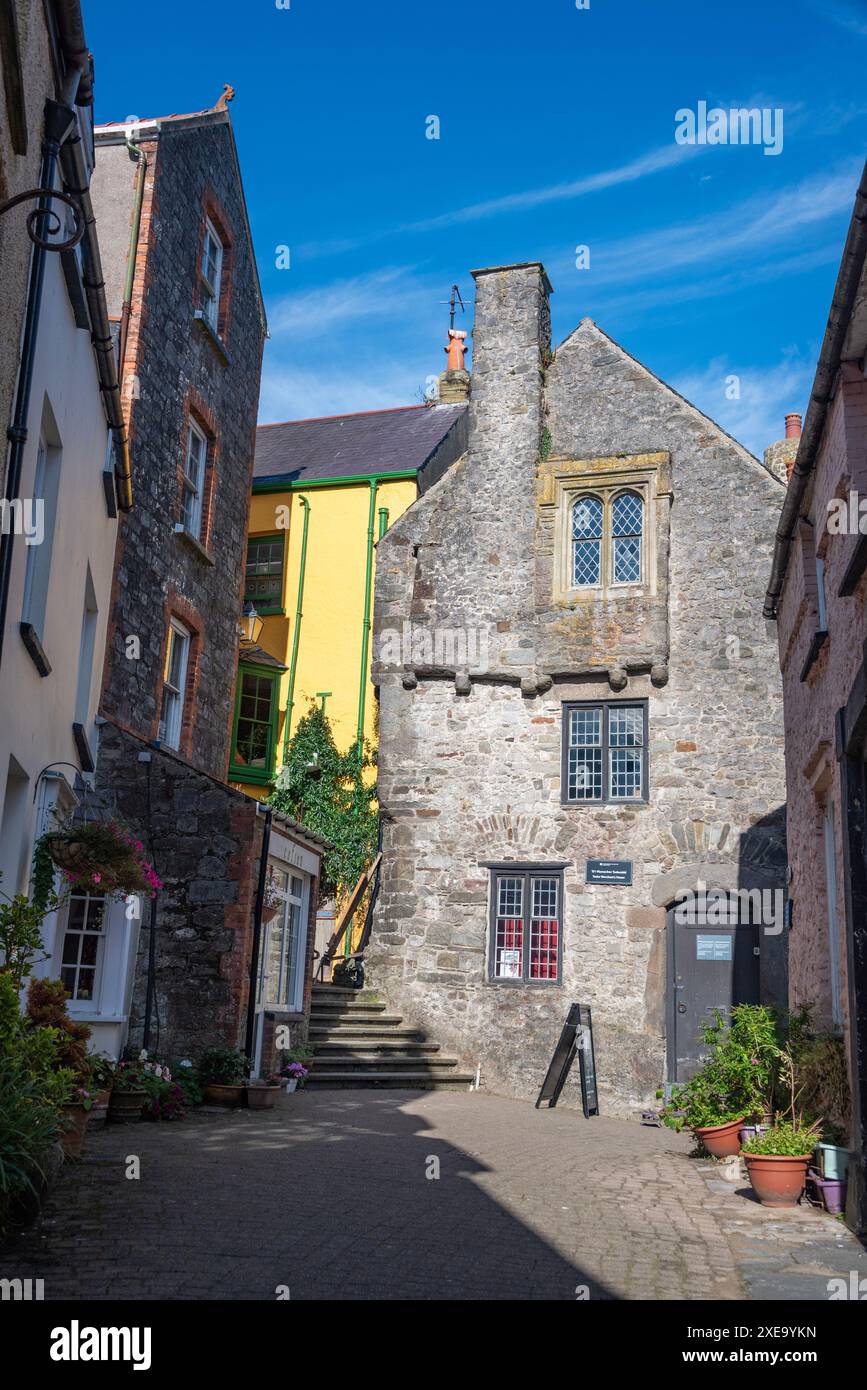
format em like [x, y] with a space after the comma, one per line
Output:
[66, 471]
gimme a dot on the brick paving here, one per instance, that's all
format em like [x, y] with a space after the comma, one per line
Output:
[328, 1195]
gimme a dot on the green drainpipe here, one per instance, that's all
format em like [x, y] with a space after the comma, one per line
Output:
[383, 522]
[365, 625]
[293, 666]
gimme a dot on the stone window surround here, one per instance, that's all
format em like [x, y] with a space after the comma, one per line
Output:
[565, 480]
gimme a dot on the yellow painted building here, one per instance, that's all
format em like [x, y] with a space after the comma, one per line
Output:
[324, 491]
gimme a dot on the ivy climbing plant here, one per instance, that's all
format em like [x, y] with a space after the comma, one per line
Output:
[327, 791]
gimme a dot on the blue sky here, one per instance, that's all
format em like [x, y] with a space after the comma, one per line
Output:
[556, 131]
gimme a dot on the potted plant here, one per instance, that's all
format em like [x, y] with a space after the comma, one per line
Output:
[221, 1072]
[128, 1093]
[777, 1162]
[102, 857]
[294, 1074]
[76, 1113]
[101, 1081]
[262, 1094]
[735, 1082]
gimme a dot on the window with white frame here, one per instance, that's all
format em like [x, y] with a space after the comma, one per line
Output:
[193, 482]
[604, 752]
[607, 535]
[83, 946]
[212, 272]
[174, 685]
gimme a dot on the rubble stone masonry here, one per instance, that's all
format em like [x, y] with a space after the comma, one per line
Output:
[470, 759]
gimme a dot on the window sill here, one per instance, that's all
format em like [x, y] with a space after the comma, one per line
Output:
[594, 805]
[212, 336]
[253, 776]
[194, 543]
[35, 649]
[85, 757]
[525, 984]
[820, 637]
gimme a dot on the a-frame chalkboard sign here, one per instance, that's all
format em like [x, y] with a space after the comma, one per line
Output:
[577, 1036]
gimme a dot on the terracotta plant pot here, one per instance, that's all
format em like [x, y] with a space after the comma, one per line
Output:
[124, 1106]
[721, 1141]
[261, 1097]
[777, 1180]
[99, 1109]
[269, 913]
[75, 1121]
[225, 1095]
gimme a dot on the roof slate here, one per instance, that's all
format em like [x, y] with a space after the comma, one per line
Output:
[343, 446]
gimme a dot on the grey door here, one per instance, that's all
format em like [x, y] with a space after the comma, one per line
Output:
[710, 966]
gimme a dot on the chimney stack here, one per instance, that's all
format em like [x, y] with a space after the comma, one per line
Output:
[455, 380]
[780, 457]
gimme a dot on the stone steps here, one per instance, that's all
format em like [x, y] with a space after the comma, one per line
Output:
[357, 1043]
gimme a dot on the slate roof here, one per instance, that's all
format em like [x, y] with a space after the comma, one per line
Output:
[341, 446]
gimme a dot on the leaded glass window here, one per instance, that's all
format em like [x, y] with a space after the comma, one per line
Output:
[587, 541]
[627, 523]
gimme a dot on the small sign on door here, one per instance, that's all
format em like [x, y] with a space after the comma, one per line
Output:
[713, 947]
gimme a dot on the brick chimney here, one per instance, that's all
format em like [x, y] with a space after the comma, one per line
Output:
[780, 457]
[454, 384]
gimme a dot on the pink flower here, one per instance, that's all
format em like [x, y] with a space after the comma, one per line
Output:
[97, 878]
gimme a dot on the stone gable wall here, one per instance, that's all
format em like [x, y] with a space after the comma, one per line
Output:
[469, 770]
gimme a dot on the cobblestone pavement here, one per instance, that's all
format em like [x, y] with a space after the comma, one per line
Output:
[328, 1194]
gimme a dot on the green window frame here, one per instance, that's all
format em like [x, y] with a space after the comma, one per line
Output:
[254, 728]
[264, 573]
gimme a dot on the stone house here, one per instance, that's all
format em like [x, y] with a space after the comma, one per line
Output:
[818, 595]
[581, 765]
[193, 966]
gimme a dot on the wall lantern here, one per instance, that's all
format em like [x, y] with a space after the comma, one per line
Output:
[250, 630]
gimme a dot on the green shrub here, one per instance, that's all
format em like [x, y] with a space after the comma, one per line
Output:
[737, 1079]
[785, 1140]
[222, 1066]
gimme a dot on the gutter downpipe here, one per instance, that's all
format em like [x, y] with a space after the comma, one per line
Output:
[250, 1030]
[59, 121]
[366, 624]
[75, 177]
[845, 290]
[293, 666]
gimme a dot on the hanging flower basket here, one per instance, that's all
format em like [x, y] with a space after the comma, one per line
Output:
[102, 857]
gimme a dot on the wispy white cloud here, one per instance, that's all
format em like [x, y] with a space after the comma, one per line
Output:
[748, 229]
[756, 416]
[847, 16]
[293, 392]
[320, 310]
[651, 163]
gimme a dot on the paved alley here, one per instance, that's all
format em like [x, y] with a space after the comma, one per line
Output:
[328, 1196]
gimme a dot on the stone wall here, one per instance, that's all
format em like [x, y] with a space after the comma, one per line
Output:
[469, 770]
[176, 367]
[206, 843]
[816, 692]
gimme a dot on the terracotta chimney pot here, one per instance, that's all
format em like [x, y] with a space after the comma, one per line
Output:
[793, 426]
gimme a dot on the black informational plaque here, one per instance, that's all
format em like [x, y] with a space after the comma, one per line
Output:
[612, 872]
[577, 1036]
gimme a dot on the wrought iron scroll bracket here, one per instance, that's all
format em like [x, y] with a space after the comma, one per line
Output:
[44, 222]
